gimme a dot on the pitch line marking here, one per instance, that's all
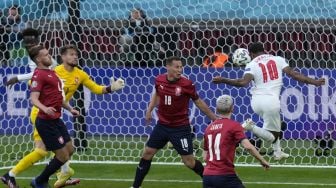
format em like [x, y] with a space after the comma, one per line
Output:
[198, 181]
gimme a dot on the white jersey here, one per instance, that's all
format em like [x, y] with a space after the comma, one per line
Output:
[267, 74]
[32, 67]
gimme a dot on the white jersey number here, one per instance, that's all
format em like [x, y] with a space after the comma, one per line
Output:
[269, 70]
[168, 100]
[214, 149]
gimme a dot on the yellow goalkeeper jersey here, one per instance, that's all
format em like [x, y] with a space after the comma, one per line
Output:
[73, 79]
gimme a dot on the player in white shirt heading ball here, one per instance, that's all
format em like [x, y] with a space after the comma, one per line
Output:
[266, 72]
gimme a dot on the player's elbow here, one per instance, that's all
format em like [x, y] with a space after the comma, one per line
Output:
[242, 83]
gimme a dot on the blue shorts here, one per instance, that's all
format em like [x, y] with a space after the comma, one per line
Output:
[222, 181]
[54, 133]
[180, 137]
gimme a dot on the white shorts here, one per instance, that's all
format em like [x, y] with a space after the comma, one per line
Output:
[268, 107]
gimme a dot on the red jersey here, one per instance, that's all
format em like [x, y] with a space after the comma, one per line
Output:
[49, 85]
[220, 140]
[173, 108]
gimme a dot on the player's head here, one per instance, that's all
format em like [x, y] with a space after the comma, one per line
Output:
[174, 68]
[69, 55]
[224, 105]
[30, 37]
[40, 55]
[256, 49]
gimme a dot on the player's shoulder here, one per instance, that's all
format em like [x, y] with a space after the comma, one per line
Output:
[161, 77]
[59, 68]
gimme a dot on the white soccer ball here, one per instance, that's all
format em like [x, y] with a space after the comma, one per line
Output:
[241, 57]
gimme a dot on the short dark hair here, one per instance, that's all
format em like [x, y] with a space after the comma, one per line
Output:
[65, 48]
[34, 51]
[170, 59]
[256, 47]
[30, 32]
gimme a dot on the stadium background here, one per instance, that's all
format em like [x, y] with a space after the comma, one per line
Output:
[301, 31]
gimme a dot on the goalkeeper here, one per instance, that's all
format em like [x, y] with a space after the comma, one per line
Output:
[72, 77]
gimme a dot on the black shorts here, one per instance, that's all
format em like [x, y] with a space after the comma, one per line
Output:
[222, 181]
[53, 132]
[180, 137]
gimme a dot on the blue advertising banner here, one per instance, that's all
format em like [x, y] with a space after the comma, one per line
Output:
[307, 110]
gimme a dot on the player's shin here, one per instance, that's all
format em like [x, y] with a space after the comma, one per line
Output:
[50, 169]
[263, 134]
[28, 161]
[141, 172]
[198, 168]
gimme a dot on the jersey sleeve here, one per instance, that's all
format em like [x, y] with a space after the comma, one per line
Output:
[248, 69]
[238, 133]
[282, 62]
[205, 143]
[192, 91]
[90, 84]
[28, 76]
[37, 82]
[156, 85]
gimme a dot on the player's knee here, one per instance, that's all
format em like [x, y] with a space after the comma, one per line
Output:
[40, 145]
[148, 153]
[189, 161]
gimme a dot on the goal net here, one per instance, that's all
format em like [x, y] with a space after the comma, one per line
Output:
[113, 44]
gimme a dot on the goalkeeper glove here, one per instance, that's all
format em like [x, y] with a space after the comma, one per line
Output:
[117, 84]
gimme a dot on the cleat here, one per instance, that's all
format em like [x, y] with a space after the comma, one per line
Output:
[71, 182]
[248, 124]
[9, 181]
[35, 185]
[63, 177]
[279, 156]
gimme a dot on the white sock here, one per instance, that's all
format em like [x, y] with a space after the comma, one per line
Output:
[263, 134]
[277, 146]
[66, 167]
[11, 174]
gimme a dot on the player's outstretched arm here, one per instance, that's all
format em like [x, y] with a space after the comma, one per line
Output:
[241, 82]
[205, 109]
[152, 104]
[99, 89]
[302, 78]
[66, 106]
[253, 151]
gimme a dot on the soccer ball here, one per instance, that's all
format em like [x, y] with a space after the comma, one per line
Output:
[241, 57]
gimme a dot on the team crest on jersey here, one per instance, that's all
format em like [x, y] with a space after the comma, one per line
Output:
[34, 84]
[61, 140]
[76, 80]
[178, 91]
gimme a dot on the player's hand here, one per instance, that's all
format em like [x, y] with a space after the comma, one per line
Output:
[117, 84]
[74, 112]
[217, 80]
[11, 82]
[265, 164]
[320, 82]
[50, 111]
[148, 118]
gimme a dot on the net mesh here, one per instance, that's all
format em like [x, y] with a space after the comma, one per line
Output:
[113, 44]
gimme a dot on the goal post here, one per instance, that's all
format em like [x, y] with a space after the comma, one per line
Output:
[303, 33]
